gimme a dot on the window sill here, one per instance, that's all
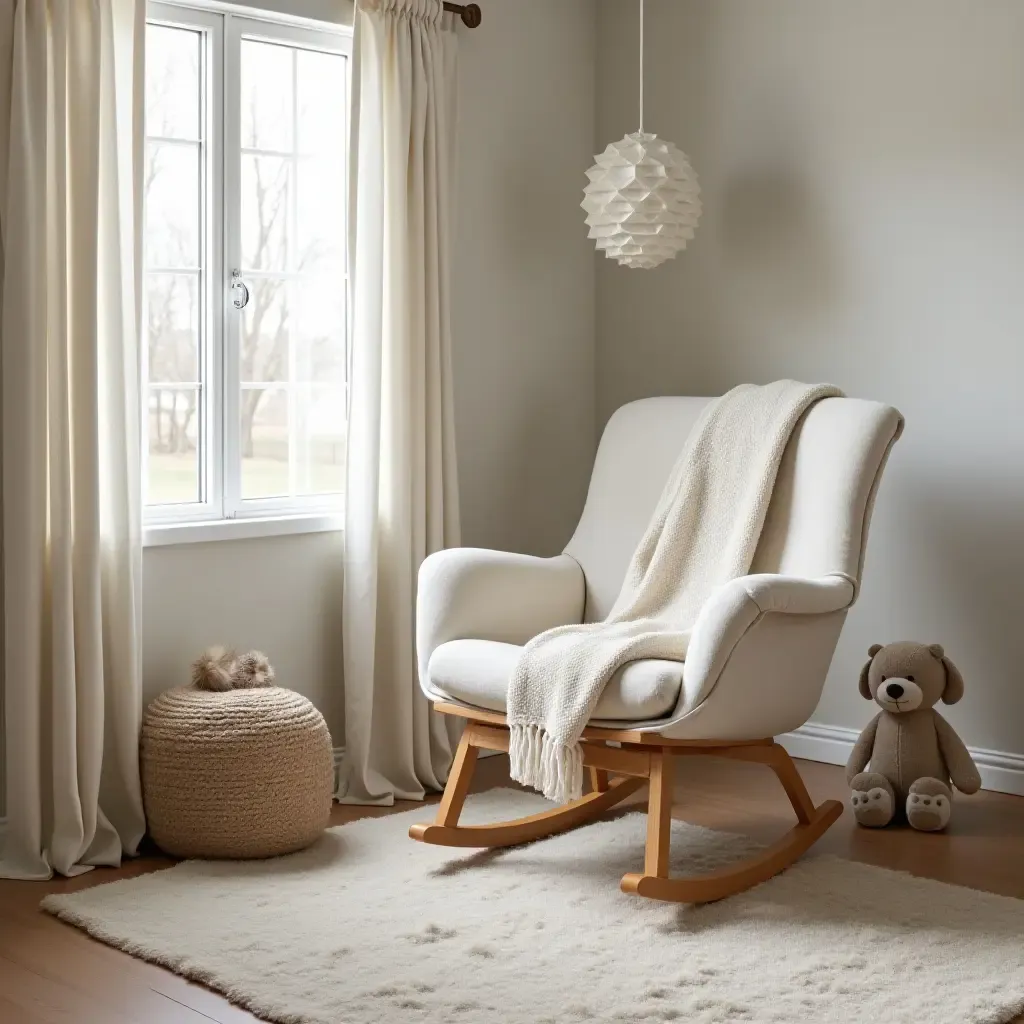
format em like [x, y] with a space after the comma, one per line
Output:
[165, 534]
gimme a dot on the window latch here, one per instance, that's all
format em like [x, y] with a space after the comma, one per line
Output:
[240, 290]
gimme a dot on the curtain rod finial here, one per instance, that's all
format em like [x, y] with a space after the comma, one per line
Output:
[470, 14]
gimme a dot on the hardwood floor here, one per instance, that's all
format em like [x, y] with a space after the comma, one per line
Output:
[50, 973]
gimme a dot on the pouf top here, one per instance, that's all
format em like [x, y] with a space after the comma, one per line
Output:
[265, 708]
[266, 697]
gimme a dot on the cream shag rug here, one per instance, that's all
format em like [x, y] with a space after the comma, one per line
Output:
[368, 927]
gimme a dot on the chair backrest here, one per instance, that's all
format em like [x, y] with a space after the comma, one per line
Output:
[818, 518]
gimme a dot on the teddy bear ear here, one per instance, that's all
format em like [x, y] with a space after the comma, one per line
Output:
[937, 650]
[954, 683]
[874, 649]
[865, 688]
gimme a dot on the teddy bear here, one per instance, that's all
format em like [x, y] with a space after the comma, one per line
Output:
[914, 753]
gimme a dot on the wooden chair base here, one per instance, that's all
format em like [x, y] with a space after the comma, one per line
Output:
[639, 758]
[536, 826]
[734, 879]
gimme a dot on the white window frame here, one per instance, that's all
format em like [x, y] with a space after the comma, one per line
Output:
[223, 513]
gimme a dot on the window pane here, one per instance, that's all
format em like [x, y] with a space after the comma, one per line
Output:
[265, 212]
[292, 334]
[175, 252]
[172, 204]
[320, 217]
[264, 337]
[321, 104]
[174, 430]
[320, 440]
[172, 82]
[172, 326]
[319, 331]
[267, 96]
[264, 442]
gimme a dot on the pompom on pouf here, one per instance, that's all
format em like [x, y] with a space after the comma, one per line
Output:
[238, 774]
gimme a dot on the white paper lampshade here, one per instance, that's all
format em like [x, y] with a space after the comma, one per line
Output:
[643, 201]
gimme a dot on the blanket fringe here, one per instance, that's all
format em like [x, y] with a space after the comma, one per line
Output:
[538, 760]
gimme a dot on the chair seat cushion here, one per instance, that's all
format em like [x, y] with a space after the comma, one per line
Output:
[477, 672]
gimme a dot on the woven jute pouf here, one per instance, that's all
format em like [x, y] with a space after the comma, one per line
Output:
[240, 774]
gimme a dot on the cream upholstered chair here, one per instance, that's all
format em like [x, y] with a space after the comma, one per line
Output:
[758, 656]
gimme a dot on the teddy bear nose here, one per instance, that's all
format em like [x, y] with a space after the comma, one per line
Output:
[894, 690]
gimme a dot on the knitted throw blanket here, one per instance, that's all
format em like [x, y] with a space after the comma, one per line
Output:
[704, 532]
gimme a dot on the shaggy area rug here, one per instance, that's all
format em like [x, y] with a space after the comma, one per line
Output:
[369, 927]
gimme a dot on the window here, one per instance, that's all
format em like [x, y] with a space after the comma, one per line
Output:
[245, 276]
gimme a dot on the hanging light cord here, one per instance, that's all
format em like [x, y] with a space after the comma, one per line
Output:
[641, 67]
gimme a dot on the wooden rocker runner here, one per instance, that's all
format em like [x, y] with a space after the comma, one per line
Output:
[757, 658]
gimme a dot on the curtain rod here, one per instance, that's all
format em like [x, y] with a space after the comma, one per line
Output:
[470, 13]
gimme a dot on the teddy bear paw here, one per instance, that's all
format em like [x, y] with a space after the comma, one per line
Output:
[928, 813]
[872, 807]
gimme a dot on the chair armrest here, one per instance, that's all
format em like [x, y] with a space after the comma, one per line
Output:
[734, 608]
[479, 594]
[796, 595]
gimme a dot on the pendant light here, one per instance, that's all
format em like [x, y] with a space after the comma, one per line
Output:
[643, 200]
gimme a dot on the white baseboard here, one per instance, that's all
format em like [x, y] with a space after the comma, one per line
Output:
[832, 744]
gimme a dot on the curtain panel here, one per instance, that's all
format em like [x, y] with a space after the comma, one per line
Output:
[71, 101]
[402, 490]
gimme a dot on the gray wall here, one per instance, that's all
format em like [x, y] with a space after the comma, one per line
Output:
[281, 595]
[863, 174]
[524, 274]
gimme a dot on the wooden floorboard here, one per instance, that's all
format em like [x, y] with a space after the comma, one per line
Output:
[51, 973]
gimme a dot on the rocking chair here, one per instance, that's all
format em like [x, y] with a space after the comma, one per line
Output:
[757, 659]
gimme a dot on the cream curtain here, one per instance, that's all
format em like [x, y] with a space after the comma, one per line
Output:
[70, 175]
[402, 494]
